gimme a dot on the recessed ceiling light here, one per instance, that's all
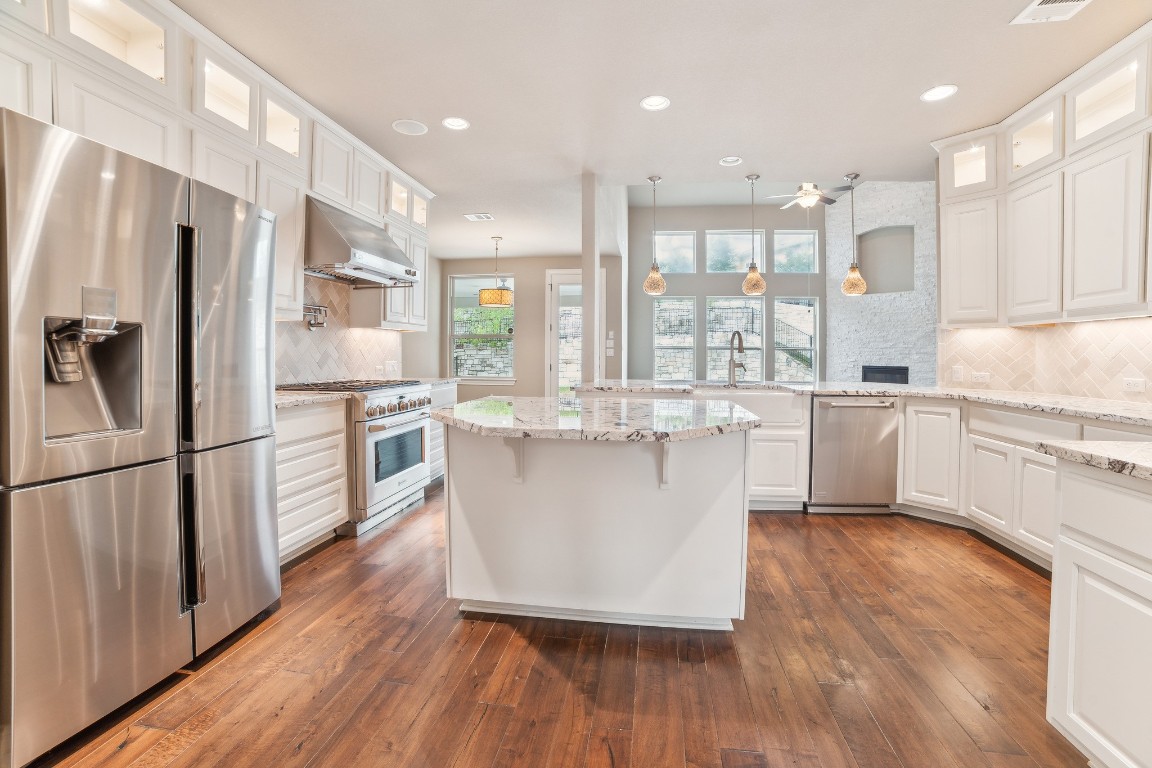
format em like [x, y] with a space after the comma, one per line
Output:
[655, 103]
[479, 217]
[410, 127]
[938, 93]
[455, 123]
[731, 160]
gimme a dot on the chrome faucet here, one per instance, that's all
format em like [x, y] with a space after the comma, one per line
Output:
[738, 339]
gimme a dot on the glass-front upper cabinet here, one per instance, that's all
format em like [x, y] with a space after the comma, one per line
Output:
[223, 94]
[1035, 140]
[419, 210]
[1116, 97]
[283, 128]
[399, 196]
[126, 34]
[969, 166]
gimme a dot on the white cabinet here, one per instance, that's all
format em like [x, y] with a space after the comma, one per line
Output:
[224, 95]
[1034, 250]
[93, 107]
[1112, 99]
[1099, 667]
[31, 12]
[224, 165]
[779, 448]
[969, 262]
[283, 192]
[930, 456]
[284, 129]
[400, 308]
[968, 167]
[332, 165]
[368, 195]
[25, 77]
[1036, 140]
[311, 474]
[990, 468]
[1105, 211]
[443, 395]
[1034, 500]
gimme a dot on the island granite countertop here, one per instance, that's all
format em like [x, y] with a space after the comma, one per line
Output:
[1122, 457]
[602, 419]
[1119, 411]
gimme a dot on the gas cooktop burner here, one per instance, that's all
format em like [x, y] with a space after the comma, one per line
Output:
[348, 385]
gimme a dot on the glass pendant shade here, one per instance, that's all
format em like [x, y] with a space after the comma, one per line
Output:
[754, 284]
[854, 284]
[654, 284]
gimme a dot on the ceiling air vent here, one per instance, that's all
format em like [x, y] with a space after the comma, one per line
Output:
[1049, 10]
[479, 217]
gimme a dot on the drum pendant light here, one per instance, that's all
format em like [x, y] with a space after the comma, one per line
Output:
[654, 284]
[501, 295]
[753, 284]
[854, 284]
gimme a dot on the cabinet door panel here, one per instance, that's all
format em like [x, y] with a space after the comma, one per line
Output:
[1104, 211]
[99, 110]
[418, 299]
[990, 465]
[776, 464]
[969, 262]
[283, 193]
[224, 166]
[397, 299]
[1035, 505]
[368, 187]
[1034, 249]
[332, 166]
[931, 444]
[25, 78]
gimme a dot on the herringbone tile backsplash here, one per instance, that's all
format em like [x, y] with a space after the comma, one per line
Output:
[337, 351]
[1089, 359]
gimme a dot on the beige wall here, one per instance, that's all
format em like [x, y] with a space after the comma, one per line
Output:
[424, 350]
[531, 320]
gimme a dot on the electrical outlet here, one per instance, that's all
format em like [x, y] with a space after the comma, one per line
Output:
[1134, 385]
[380, 371]
[957, 373]
[393, 368]
[982, 377]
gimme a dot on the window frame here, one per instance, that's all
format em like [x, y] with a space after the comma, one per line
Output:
[814, 346]
[708, 347]
[761, 241]
[452, 336]
[815, 251]
[691, 347]
[695, 250]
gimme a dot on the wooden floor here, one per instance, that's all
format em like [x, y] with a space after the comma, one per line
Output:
[868, 641]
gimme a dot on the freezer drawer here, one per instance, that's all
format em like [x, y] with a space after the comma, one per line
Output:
[854, 451]
[90, 602]
[238, 553]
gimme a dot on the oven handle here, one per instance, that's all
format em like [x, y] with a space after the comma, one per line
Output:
[386, 427]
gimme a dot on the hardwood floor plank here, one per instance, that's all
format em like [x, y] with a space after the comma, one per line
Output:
[731, 704]
[701, 748]
[867, 742]
[657, 725]
[574, 724]
[482, 736]
[732, 758]
[616, 689]
[609, 748]
[529, 736]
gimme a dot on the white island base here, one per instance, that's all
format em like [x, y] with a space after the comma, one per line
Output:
[651, 533]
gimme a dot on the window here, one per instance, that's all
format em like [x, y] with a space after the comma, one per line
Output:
[676, 251]
[731, 250]
[795, 250]
[481, 339]
[674, 339]
[728, 314]
[795, 339]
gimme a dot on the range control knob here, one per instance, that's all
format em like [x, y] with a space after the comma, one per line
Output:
[391, 407]
[403, 405]
[371, 411]
[426, 401]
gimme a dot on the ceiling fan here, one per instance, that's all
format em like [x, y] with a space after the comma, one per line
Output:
[808, 194]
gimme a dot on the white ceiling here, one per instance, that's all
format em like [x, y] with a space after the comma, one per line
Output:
[803, 90]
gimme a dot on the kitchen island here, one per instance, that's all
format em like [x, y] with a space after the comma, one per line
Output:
[607, 509]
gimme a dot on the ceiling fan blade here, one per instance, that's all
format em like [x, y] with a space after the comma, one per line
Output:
[837, 189]
[789, 205]
[772, 197]
[826, 200]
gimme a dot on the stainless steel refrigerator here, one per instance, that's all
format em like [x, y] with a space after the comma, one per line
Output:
[137, 509]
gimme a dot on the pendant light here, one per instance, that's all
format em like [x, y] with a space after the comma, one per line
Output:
[753, 284]
[654, 284]
[854, 284]
[501, 295]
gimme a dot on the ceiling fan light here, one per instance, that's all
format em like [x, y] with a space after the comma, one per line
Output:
[754, 284]
[654, 284]
[807, 201]
[854, 283]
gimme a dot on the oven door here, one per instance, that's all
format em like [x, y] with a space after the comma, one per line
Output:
[392, 460]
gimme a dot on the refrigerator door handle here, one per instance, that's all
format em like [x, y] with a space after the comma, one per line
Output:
[192, 582]
[191, 287]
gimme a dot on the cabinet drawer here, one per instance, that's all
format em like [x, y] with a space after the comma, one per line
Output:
[1117, 515]
[1094, 432]
[308, 463]
[312, 513]
[306, 421]
[1019, 426]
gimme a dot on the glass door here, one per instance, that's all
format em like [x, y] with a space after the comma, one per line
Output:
[565, 332]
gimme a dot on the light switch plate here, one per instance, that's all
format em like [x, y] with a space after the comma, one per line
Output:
[1134, 384]
[380, 371]
[957, 373]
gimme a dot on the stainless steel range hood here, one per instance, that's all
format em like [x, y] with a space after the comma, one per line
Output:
[340, 246]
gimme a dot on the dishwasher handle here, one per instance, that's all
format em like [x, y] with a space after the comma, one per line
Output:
[888, 404]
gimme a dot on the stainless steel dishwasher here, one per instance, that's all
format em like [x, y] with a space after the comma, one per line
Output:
[854, 450]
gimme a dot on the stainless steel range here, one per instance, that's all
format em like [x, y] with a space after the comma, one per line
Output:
[388, 432]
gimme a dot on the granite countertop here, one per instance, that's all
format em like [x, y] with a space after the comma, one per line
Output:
[433, 381]
[1119, 411]
[605, 419]
[293, 399]
[1122, 457]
